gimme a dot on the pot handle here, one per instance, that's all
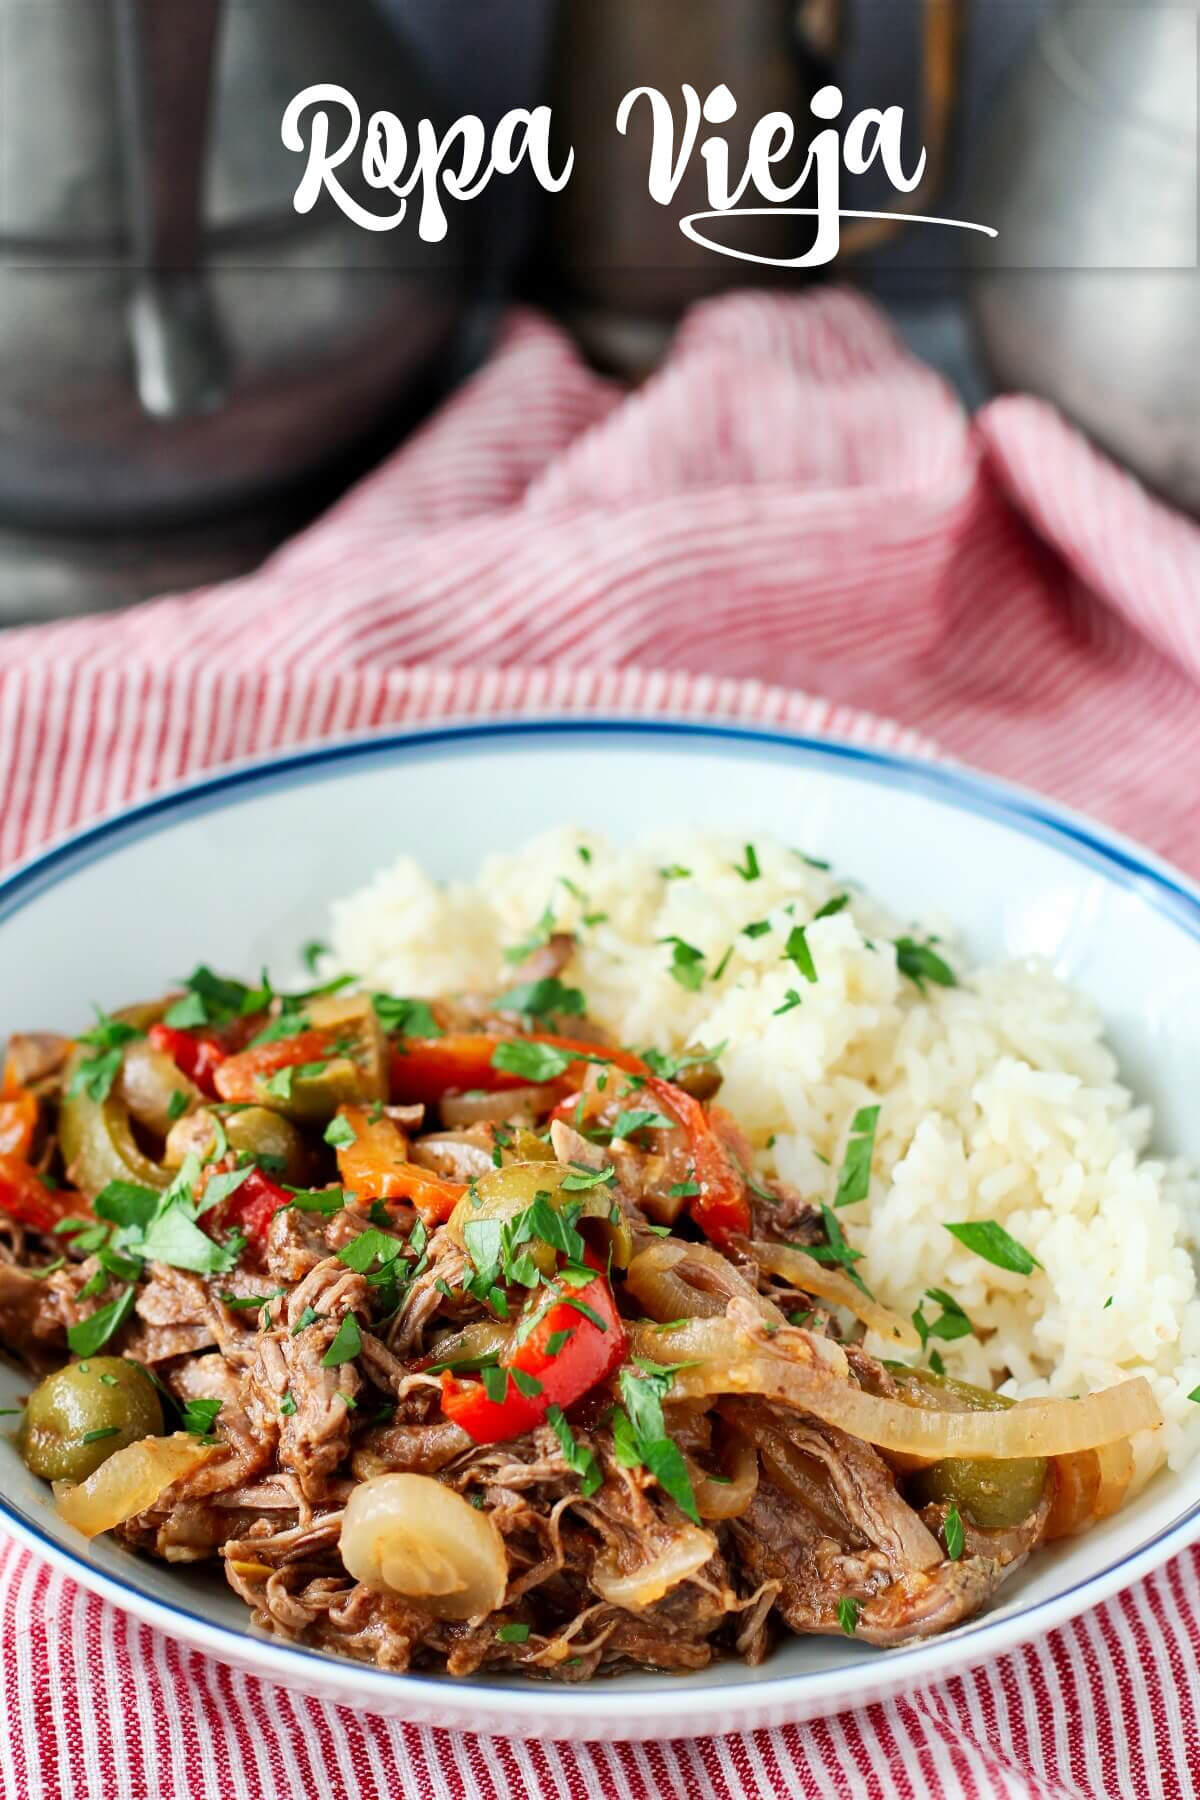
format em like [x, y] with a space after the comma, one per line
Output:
[943, 24]
[165, 64]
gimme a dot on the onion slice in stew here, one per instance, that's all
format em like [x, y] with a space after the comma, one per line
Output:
[129, 1481]
[795, 1367]
[813, 1277]
[656, 1279]
[685, 1552]
[1088, 1486]
[730, 1496]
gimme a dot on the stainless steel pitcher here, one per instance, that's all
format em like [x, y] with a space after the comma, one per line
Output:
[608, 244]
[1090, 294]
[174, 338]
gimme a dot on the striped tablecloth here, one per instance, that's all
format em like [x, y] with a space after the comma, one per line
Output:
[792, 523]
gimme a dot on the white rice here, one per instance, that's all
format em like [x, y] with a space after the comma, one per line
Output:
[999, 1098]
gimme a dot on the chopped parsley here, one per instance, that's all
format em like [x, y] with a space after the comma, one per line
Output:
[684, 1190]
[578, 1458]
[88, 1335]
[311, 954]
[687, 964]
[837, 1250]
[495, 1383]
[848, 1611]
[125, 1203]
[325, 1201]
[836, 905]
[279, 1085]
[640, 1436]
[213, 1000]
[670, 1068]
[345, 1346]
[797, 951]
[628, 1124]
[953, 1532]
[675, 872]
[199, 1416]
[757, 928]
[340, 1133]
[95, 1074]
[368, 1247]
[405, 1018]
[535, 999]
[749, 870]
[532, 1062]
[790, 1000]
[952, 1324]
[582, 1178]
[990, 1240]
[516, 1633]
[921, 964]
[855, 1179]
[287, 1406]
[177, 1105]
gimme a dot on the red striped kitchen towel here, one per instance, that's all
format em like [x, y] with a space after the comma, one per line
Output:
[793, 522]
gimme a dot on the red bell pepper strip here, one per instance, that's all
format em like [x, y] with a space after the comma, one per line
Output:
[721, 1208]
[18, 1122]
[238, 1077]
[28, 1200]
[589, 1355]
[198, 1055]
[426, 1068]
[376, 1167]
[250, 1208]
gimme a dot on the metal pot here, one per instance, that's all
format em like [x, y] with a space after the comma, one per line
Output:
[174, 338]
[609, 245]
[1090, 295]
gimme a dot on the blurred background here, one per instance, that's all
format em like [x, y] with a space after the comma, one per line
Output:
[189, 371]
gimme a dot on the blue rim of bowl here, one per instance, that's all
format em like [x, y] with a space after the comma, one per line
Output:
[1122, 861]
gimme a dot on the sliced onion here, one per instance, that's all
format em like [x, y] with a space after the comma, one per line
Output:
[813, 1277]
[482, 1337]
[796, 1368]
[129, 1481]
[453, 1154]
[469, 1109]
[410, 1535]
[150, 1082]
[727, 1498]
[686, 1550]
[658, 1279]
[1088, 1487]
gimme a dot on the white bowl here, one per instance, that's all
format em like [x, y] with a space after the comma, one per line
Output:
[239, 869]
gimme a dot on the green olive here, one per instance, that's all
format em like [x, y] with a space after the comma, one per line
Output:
[507, 1191]
[78, 1416]
[266, 1135]
[526, 1146]
[992, 1495]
